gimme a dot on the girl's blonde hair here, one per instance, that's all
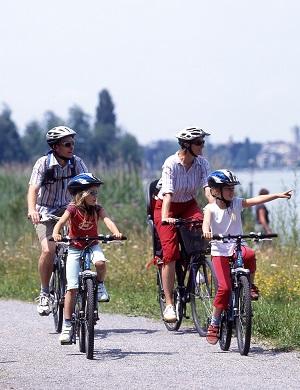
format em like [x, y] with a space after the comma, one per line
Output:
[79, 201]
[79, 198]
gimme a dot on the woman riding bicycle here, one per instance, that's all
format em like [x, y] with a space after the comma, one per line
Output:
[182, 175]
[223, 216]
[82, 216]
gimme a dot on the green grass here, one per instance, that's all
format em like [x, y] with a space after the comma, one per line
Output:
[278, 323]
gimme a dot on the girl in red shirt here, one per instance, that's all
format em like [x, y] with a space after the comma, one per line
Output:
[82, 216]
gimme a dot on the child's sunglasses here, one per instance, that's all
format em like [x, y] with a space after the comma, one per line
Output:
[93, 193]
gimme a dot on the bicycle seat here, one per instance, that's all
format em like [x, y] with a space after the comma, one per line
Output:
[151, 192]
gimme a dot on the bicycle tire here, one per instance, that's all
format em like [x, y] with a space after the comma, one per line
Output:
[225, 331]
[56, 300]
[203, 291]
[89, 319]
[80, 324]
[171, 326]
[243, 320]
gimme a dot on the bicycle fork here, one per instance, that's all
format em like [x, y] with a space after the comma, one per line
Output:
[236, 273]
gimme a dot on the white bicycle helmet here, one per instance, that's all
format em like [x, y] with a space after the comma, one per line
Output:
[55, 134]
[191, 133]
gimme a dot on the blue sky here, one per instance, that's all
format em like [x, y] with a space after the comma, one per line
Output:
[231, 67]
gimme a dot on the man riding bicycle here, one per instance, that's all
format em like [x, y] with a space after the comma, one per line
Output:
[48, 194]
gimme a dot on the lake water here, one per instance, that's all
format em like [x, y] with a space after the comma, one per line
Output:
[273, 180]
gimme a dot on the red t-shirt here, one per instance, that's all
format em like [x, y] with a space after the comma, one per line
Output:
[82, 224]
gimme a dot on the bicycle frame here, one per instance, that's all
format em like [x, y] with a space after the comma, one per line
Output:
[86, 315]
[85, 266]
[236, 273]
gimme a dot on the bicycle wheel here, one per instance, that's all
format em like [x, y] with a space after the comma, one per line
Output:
[89, 319]
[203, 290]
[79, 318]
[225, 331]
[57, 309]
[243, 320]
[171, 326]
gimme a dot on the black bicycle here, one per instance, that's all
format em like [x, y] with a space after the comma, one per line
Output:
[195, 278]
[85, 314]
[239, 314]
[58, 282]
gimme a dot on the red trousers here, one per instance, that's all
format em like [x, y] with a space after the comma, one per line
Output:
[222, 270]
[168, 233]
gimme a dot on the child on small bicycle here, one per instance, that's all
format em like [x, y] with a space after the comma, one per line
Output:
[224, 217]
[82, 216]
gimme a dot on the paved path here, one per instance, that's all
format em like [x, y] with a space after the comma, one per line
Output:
[131, 353]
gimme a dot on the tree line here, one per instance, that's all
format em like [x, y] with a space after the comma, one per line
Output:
[104, 143]
[101, 143]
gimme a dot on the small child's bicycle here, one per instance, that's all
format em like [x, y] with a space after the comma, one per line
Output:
[85, 314]
[239, 314]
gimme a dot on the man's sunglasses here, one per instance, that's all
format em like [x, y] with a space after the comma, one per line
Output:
[67, 144]
[198, 143]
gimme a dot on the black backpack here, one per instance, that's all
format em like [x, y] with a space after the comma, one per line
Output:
[49, 177]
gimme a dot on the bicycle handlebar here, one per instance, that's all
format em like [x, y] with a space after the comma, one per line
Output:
[257, 236]
[100, 237]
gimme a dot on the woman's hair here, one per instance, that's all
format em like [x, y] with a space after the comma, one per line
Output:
[263, 191]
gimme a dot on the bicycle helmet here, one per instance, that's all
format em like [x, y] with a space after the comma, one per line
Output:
[221, 178]
[83, 181]
[57, 133]
[191, 133]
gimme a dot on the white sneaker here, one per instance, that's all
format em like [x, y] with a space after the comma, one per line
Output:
[43, 307]
[66, 334]
[169, 314]
[102, 293]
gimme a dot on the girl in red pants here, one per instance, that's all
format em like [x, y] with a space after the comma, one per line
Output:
[224, 217]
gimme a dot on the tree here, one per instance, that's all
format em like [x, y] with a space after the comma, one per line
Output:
[34, 141]
[52, 120]
[156, 153]
[106, 134]
[11, 149]
[80, 122]
[105, 144]
[130, 151]
[105, 110]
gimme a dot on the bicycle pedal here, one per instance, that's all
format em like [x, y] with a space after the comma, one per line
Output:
[66, 343]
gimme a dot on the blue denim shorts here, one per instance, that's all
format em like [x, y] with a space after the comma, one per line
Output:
[73, 264]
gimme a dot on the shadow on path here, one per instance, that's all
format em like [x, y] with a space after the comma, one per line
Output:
[104, 333]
